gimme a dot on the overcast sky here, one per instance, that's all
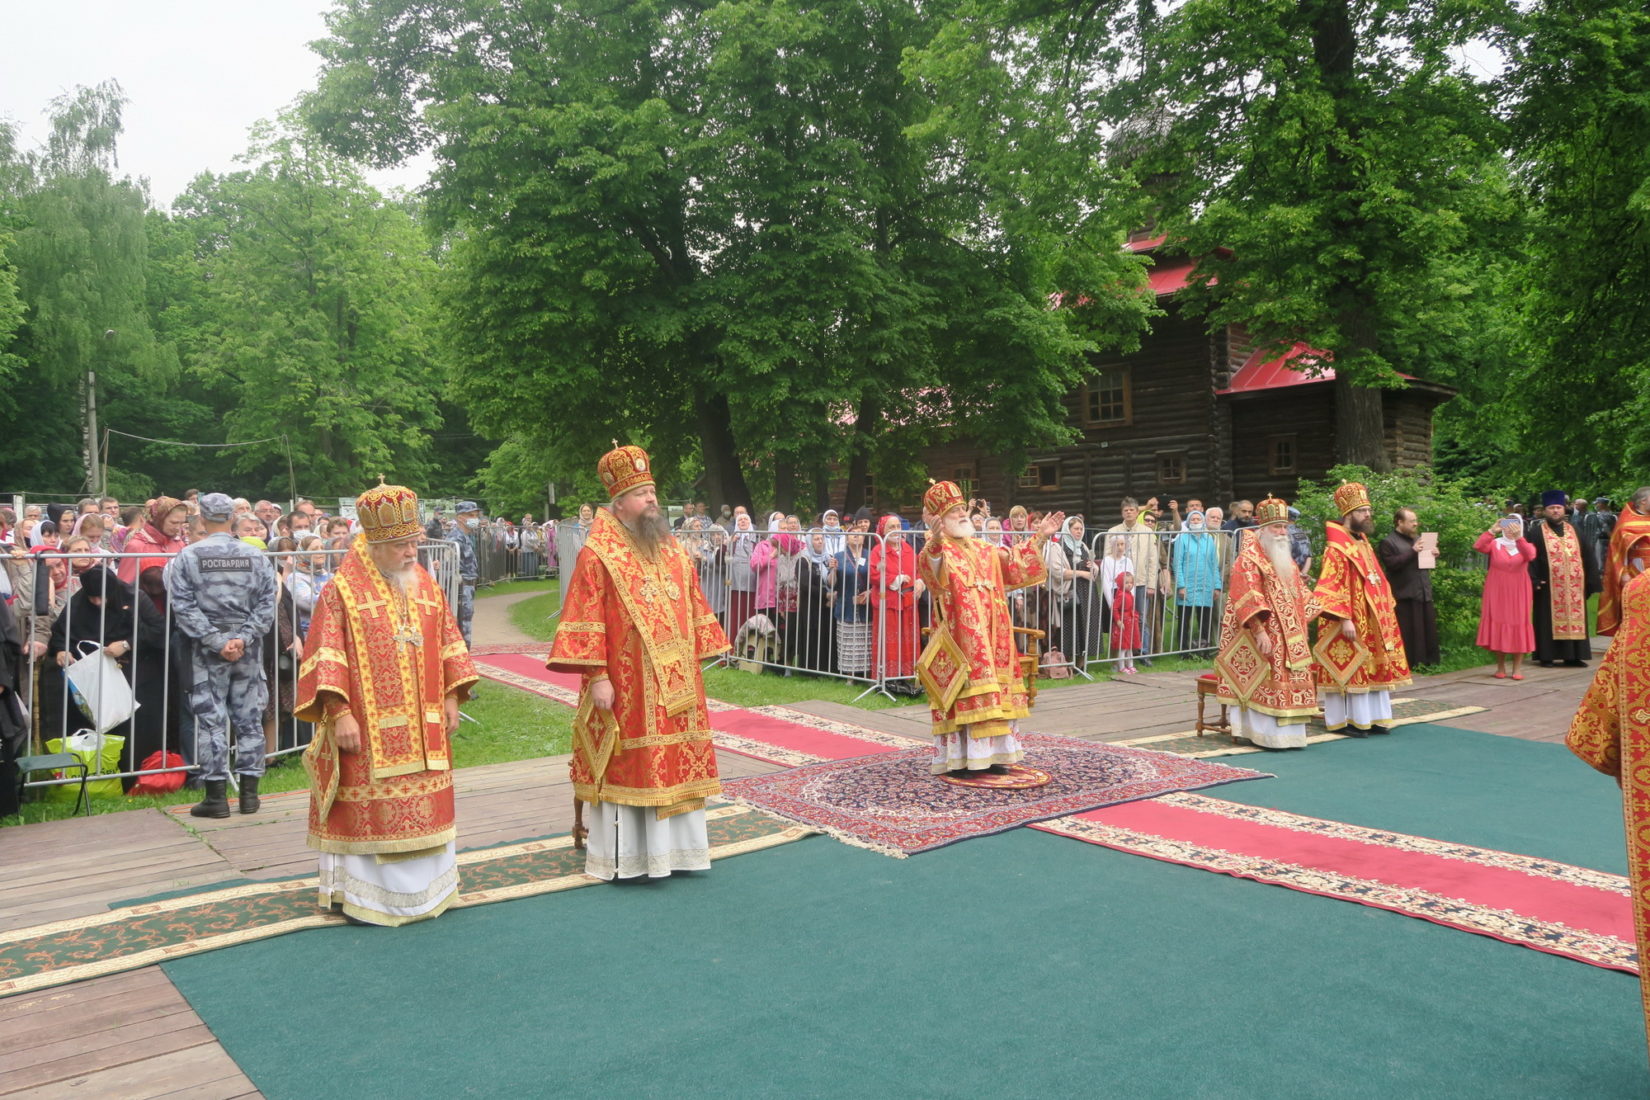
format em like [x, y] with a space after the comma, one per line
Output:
[198, 74]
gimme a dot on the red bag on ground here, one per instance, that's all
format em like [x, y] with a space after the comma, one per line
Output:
[165, 782]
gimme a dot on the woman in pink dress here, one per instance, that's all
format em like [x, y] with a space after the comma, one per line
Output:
[1504, 624]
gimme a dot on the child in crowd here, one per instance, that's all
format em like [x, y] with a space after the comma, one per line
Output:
[1125, 622]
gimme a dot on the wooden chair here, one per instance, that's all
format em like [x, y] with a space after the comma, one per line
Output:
[1208, 686]
[1030, 660]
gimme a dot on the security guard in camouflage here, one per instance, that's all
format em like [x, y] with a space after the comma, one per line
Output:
[222, 594]
[469, 524]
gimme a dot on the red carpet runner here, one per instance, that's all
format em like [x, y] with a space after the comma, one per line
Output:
[1553, 907]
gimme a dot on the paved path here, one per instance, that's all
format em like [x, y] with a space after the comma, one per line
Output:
[492, 625]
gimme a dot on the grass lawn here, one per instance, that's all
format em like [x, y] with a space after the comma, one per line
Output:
[510, 724]
[532, 616]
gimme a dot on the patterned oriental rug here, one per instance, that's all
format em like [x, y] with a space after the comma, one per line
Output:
[890, 803]
[1554, 907]
[136, 935]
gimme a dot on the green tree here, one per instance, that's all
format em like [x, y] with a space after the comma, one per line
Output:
[303, 301]
[79, 256]
[1578, 396]
[743, 229]
[1333, 165]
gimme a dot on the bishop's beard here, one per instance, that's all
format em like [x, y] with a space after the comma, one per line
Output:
[1276, 549]
[651, 531]
[399, 578]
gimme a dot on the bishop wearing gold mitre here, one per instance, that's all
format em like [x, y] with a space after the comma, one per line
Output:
[383, 674]
[1360, 652]
[1629, 555]
[971, 668]
[1611, 732]
[1265, 657]
[635, 626]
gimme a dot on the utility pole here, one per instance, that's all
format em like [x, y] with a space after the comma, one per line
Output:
[88, 410]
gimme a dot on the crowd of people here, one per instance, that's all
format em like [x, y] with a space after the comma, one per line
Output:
[827, 594]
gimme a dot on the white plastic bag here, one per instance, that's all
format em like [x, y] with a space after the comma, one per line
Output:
[104, 694]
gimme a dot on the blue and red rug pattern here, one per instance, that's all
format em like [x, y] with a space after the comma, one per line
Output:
[891, 803]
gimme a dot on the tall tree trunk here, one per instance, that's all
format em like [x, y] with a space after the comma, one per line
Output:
[724, 478]
[859, 465]
[784, 485]
[1360, 426]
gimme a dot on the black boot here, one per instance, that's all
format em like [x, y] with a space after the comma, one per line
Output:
[1380, 729]
[249, 794]
[1352, 731]
[216, 803]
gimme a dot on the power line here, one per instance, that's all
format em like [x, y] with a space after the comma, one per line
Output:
[181, 443]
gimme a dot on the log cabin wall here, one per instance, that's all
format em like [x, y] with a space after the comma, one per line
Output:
[1280, 437]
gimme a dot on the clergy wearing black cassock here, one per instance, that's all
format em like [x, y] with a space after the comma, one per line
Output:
[1411, 589]
[1551, 528]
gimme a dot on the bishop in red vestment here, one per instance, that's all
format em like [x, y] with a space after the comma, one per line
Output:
[1360, 650]
[970, 667]
[1611, 732]
[635, 626]
[1265, 657]
[1629, 556]
[384, 671]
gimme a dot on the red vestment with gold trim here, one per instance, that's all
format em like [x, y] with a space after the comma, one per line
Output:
[390, 656]
[968, 581]
[1629, 555]
[1352, 586]
[643, 623]
[1611, 732]
[1289, 690]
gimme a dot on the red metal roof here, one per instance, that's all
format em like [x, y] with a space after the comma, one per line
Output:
[1146, 245]
[1168, 278]
[1260, 373]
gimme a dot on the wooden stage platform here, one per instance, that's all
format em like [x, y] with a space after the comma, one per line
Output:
[133, 1034]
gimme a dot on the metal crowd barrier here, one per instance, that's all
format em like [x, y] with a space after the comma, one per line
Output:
[154, 656]
[844, 615]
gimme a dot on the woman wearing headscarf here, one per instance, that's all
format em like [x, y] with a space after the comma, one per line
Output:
[1195, 559]
[1505, 624]
[773, 562]
[814, 638]
[106, 613]
[851, 606]
[161, 534]
[1078, 610]
[741, 577]
[896, 631]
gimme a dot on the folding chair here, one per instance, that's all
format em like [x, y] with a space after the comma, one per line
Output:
[54, 762]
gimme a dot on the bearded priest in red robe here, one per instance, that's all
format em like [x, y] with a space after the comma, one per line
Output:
[635, 626]
[383, 674]
[970, 667]
[1265, 657]
[1360, 651]
[1611, 732]
[1629, 556]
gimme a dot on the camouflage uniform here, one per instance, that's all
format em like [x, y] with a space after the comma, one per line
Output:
[468, 570]
[220, 589]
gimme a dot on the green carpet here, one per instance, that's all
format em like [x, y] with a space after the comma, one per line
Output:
[1023, 964]
[1476, 788]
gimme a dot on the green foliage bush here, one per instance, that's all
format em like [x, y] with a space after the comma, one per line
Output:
[1448, 507]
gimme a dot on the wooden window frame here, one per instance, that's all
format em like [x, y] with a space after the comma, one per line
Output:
[1031, 480]
[1163, 477]
[1290, 439]
[1089, 388]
